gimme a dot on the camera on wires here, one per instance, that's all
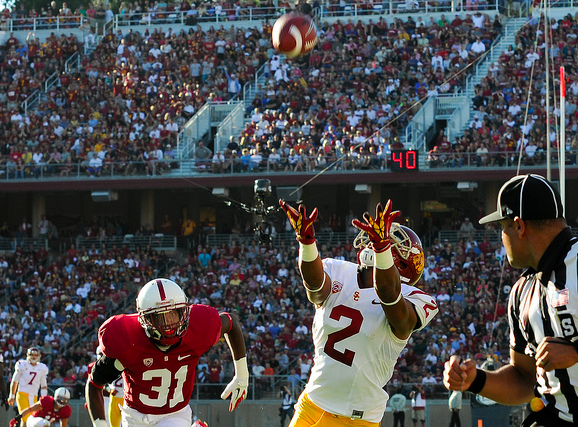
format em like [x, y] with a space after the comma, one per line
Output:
[262, 190]
[264, 228]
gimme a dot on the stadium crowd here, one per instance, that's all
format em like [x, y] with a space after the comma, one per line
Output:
[123, 108]
[159, 79]
[505, 121]
[54, 301]
[362, 78]
[133, 94]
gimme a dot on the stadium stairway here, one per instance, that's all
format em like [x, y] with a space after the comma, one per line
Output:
[422, 126]
[252, 87]
[511, 28]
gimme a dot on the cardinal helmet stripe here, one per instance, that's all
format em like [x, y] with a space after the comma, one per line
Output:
[161, 290]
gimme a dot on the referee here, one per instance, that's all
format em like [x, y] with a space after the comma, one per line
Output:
[542, 309]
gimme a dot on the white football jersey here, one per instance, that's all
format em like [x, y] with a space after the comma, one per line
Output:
[30, 377]
[355, 348]
[118, 385]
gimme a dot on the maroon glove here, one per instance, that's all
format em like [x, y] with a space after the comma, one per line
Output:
[15, 422]
[378, 229]
[301, 223]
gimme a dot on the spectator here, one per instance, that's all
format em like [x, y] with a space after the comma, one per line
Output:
[455, 404]
[397, 403]
[203, 156]
[218, 162]
[467, 229]
[418, 403]
[286, 409]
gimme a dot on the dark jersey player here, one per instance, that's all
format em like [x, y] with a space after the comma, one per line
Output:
[157, 350]
[46, 411]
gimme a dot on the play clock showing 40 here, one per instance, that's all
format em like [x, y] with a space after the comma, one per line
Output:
[404, 160]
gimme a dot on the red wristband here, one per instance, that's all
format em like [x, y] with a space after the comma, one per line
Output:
[230, 321]
[95, 384]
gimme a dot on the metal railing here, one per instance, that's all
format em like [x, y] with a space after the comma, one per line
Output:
[322, 237]
[416, 130]
[193, 131]
[72, 63]
[31, 101]
[346, 164]
[157, 241]
[252, 86]
[232, 125]
[42, 23]
[350, 9]
[10, 244]
[51, 81]
[214, 15]
[211, 113]
[459, 119]
[336, 238]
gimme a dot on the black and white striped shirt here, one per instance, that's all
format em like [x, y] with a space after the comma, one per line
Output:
[545, 303]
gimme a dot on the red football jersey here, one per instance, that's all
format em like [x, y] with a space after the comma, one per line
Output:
[157, 382]
[47, 412]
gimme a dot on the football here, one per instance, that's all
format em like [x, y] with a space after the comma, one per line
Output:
[294, 34]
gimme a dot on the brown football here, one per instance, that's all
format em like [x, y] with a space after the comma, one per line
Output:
[294, 34]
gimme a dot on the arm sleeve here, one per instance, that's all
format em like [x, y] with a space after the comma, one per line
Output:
[104, 371]
[517, 341]
[17, 373]
[44, 383]
[424, 304]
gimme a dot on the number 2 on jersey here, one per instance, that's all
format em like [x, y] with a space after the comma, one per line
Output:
[345, 357]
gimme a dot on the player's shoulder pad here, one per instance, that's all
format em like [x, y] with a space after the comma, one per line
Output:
[204, 320]
[329, 263]
[116, 333]
[66, 411]
[425, 305]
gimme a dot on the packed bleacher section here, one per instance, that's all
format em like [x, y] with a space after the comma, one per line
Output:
[504, 118]
[362, 78]
[55, 301]
[121, 111]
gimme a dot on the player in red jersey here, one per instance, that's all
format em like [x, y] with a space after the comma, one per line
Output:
[46, 411]
[157, 350]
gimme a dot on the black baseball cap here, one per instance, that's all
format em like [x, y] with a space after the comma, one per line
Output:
[529, 197]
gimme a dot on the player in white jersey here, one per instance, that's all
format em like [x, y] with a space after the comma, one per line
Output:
[29, 376]
[364, 316]
[116, 401]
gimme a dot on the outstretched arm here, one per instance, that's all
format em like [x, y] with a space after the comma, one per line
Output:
[386, 280]
[315, 280]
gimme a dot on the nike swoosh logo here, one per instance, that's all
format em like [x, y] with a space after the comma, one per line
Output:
[376, 302]
[179, 358]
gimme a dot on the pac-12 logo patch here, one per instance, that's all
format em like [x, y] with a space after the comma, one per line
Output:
[148, 362]
[336, 287]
